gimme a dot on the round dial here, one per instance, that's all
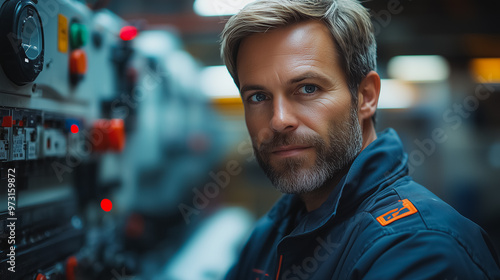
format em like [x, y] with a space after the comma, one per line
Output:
[22, 47]
[30, 33]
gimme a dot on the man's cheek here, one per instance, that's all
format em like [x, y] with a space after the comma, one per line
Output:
[262, 136]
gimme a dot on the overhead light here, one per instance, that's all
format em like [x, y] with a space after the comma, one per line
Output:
[396, 94]
[419, 68]
[486, 70]
[209, 8]
[217, 82]
[156, 42]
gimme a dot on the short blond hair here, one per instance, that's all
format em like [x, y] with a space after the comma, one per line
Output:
[348, 21]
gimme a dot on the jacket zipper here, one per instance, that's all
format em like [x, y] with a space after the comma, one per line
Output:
[279, 267]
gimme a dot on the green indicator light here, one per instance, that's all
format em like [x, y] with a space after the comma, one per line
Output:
[77, 35]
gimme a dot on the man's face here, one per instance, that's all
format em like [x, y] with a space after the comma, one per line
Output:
[298, 108]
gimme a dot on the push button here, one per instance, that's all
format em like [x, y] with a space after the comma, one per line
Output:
[7, 121]
[117, 135]
[78, 62]
[77, 35]
[109, 135]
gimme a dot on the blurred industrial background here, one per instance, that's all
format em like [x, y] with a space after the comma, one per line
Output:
[128, 101]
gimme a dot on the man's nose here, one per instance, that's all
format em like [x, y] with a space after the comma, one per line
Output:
[284, 116]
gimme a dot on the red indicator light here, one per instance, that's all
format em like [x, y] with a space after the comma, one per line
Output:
[128, 33]
[74, 128]
[78, 62]
[106, 205]
[8, 121]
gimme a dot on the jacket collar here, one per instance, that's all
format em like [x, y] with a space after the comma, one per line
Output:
[381, 163]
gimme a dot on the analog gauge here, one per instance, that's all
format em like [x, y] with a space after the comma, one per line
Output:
[22, 44]
[30, 32]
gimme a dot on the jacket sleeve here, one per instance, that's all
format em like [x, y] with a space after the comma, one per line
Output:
[419, 255]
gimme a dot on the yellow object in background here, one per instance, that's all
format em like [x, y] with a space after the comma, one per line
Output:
[486, 70]
[62, 34]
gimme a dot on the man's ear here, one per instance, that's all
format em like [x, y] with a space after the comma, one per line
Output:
[368, 93]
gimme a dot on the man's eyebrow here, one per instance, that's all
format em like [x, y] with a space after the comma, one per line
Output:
[308, 75]
[298, 79]
[250, 87]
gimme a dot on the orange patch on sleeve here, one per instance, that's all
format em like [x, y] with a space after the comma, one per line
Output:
[406, 209]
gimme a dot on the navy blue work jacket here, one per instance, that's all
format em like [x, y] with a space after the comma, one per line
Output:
[376, 224]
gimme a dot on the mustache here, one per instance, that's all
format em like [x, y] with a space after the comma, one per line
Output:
[285, 139]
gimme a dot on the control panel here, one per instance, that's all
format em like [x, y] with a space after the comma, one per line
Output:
[60, 64]
[93, 111]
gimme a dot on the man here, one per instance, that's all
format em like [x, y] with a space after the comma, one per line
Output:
[305, 71]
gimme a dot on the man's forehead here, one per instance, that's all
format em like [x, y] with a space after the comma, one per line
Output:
[300, 44]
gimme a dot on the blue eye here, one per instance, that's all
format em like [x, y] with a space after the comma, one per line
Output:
[308, 89]
[258, 97]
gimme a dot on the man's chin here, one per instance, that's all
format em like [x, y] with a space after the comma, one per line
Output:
[299, 181]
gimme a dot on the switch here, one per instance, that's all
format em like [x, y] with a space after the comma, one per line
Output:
[18, 151]
[8, 122]
[117, 135]
[78, 62]
[77, 35]
[54, 143]
[109, 135]
[77, 66]
[31, 143]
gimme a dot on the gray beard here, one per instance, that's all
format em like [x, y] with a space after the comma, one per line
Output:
[345, 144]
